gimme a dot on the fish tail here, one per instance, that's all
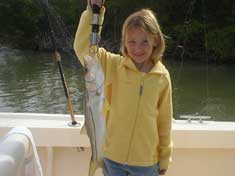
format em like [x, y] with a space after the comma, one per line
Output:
[92, 168]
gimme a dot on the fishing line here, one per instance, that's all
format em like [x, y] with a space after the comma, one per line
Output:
[187, 21]
[205, 102]
[206, 53]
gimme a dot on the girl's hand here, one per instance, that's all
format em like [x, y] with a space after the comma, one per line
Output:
[97, 2]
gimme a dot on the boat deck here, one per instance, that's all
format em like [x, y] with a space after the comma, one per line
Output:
[205, 149]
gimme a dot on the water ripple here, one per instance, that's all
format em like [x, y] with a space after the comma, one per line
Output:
[30, 82]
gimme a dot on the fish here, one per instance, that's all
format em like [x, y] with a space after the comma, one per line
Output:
[94, 125]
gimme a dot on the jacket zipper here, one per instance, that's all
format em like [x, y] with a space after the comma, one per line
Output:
[141, 89]
[137, 113]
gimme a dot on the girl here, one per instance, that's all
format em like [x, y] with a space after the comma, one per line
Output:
[138, 97]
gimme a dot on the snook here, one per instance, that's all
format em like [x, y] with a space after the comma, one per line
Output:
[94, 118]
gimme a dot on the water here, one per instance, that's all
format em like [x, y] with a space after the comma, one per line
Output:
[30, 82]
[201, 89]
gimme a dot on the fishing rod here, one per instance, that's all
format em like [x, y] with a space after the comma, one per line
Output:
[73, 122]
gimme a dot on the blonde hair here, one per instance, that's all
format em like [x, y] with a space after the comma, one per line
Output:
[146, 20]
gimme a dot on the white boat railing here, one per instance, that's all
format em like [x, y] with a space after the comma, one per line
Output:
[209, 146]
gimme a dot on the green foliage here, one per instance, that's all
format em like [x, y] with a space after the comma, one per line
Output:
[199, 26]
[69, 9]
[190, 36]
[18, 20]
[188, 31]
[221, 42]
[18, 16]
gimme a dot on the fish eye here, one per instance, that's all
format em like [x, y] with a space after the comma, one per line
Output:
[85, 70]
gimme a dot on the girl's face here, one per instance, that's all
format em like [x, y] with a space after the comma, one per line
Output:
[139, 44]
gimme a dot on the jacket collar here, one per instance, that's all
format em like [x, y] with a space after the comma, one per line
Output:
[158, 68]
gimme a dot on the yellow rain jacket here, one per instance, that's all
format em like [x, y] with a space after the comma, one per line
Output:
[138, 106]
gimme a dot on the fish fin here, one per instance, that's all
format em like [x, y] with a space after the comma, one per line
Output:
[83, 130]
[92, 167]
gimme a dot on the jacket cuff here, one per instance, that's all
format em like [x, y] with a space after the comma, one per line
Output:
[164, 164]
